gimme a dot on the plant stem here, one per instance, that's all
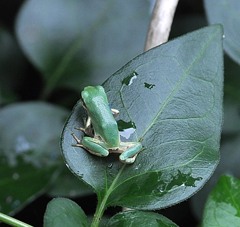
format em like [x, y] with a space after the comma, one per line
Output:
[99, 211]
[161, 23]
[102, 205]
[12, 221]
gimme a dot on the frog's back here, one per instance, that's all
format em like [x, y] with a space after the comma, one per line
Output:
[101, 115]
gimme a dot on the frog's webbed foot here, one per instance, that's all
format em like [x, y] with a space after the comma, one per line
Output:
[130, 152]
[129, 160]
[78, 144]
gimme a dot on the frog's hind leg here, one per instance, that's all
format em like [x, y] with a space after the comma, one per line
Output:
[94, 146]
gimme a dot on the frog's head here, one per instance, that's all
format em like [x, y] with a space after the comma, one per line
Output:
[90, 92]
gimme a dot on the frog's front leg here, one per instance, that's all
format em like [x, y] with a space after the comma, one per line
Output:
[87, 129]
[130, 151]
[92, 145]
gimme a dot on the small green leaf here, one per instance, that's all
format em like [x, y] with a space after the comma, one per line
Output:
[223, 205]
[226, 12]
[63, 212]
[29, 151]
[139, 218]
[178, 122]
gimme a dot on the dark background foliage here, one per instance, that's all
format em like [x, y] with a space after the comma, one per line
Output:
[30, 85]
[189, 16]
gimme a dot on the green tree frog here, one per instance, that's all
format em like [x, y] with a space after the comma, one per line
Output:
[105, 137]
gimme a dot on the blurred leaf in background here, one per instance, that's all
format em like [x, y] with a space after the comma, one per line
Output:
[29, 148]
[76, 43]
[226, 12]
[12, 67]
[223, 204]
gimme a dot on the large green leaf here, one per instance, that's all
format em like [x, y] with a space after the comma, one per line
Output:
[139, 219]
[223, 205]
[172, 94]
[226, 12]
[64, 212]
[29, 151]
[79, 42]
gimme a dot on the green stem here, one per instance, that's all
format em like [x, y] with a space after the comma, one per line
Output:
[99, 212]
[102, 205]
[12, 221]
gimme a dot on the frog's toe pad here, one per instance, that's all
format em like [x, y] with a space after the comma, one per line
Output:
[127, 160]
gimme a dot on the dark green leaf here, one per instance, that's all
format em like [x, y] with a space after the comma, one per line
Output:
[231, 79]
[63, 212]
[229, 163]
[79, 42]
[178, 122]
[139, 219]
[21, 184]
[231, 117]
[29, 150]
[12, 66]
[223, 205]
[226, 12]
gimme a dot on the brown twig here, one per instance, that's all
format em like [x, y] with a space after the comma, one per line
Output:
[161, 23]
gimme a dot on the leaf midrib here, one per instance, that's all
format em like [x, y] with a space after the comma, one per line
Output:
[176, 88]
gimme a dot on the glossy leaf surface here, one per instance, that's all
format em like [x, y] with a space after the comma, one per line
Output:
[223, 205]
[226, 12]
[172, 96]
[139, 218]
[64, 212]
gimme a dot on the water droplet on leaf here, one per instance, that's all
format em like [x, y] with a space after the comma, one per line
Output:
[22, 145]
[9, 199]
[15, 204]
[15, 176]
